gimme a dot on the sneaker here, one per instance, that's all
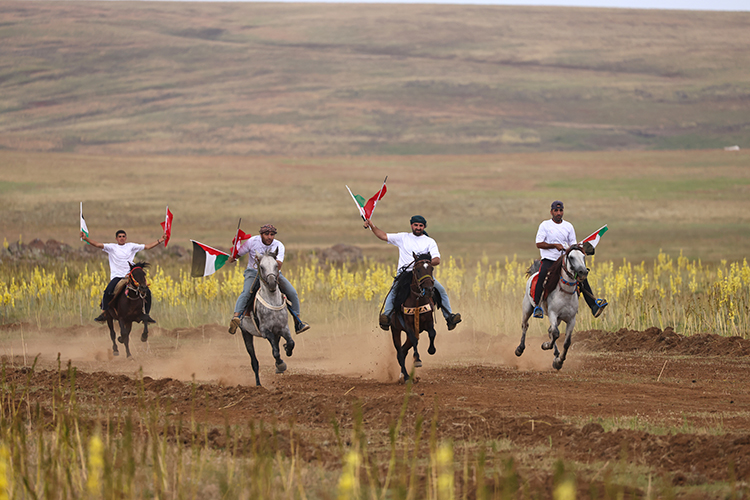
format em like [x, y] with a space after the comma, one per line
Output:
[538, 312]
[385, 322]
[600, 305]
[102, 318]
[301, 327]
[234, 324]
[453, 320]
[147, 319]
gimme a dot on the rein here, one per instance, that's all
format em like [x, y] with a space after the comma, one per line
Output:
[137, 288]
[574, 277]
[417, 289]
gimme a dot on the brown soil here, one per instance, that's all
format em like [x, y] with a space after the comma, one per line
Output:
[682, 403]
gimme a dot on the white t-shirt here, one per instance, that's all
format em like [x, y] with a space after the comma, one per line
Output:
[408, 244]
[120, 258]
[254, 246]
[549, 232]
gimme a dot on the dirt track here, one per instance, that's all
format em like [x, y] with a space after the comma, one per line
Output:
[480, 389]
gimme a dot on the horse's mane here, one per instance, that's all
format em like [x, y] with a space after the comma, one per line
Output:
[403, 281]
[143, 265]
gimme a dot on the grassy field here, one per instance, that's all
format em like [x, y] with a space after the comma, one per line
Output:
[695, 202]
[315, 79]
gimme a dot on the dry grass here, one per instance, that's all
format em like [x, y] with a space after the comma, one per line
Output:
[694, 202]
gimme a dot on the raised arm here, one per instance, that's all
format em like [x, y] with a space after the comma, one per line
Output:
[90, 241]
[376, 231]
[152, 245]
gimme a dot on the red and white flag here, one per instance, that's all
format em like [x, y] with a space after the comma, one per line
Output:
[366, 208]
[167, 226]
[237, 242]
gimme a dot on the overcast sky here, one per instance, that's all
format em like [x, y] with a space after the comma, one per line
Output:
[733, 5]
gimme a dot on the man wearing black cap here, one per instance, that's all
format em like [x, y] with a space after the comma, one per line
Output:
[553, 237]
[408, 244]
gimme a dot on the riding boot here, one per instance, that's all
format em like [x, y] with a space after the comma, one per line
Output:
[300, 326]
[385, 322]
[234, 324]
[453, 320]
[102, 318]
[145, 318]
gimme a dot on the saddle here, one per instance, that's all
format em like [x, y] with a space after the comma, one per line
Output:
[119, 287]
[250, 311]
[550, 282]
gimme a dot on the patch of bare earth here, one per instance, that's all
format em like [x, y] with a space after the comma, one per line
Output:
[696, 389]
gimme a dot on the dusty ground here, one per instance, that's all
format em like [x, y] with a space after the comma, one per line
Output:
[644, 381]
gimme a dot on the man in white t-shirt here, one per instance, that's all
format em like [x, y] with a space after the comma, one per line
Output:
[416, 242]
[258, 245]
[121, 255]
[553, 237]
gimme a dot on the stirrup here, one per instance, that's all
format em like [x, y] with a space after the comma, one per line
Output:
[538, 312]
[600, 305]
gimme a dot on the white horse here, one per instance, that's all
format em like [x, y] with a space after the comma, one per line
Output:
[560, 305]
[269, 307]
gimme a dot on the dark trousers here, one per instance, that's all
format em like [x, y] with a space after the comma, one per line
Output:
[110, 290]
[588, 295]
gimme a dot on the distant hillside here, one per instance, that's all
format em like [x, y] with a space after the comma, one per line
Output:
[334, 79]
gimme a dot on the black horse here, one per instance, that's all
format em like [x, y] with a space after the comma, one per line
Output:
[127, 306]
[414, 312]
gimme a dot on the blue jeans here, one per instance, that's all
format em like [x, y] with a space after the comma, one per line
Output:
[284, 285]
[389, 305]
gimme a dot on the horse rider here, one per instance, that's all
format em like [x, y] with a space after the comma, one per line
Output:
[552, 238]
[121, 255]
[258, 245]
[416, 242]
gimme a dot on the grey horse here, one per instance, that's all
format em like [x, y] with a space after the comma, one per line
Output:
[269, 307]
[561, 303]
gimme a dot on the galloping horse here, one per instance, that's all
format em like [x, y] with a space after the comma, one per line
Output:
[127, 306]
[417, 312]
[269, 307]
[561, 303]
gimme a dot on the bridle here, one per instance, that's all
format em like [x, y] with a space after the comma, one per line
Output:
[137, 288]
[417, 286]
[574, 277]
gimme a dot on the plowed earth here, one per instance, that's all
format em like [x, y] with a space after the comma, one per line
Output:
[681, 405]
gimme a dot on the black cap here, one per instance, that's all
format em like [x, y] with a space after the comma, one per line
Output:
[557, 204]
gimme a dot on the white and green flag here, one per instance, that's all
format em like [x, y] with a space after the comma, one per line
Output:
[84, 228]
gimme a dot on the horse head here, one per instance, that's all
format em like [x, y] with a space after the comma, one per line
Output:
[575, 263]
[268, 269]
[137, 278]
[423, 274]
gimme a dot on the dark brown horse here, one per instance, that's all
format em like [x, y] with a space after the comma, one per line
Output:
[415, 313]
[127, 306]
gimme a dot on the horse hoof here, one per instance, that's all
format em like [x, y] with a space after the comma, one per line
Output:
[280, 367]
[519, 350]
[417, 363]
[119, 339]
[289, 347]
[401, 379]
[144, 337]
[547, 346]
[115, 353]
[431, 350]
[557, 364]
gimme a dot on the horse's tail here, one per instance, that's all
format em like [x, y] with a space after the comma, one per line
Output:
[534, 267]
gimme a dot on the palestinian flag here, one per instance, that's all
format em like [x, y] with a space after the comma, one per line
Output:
[206, 260]
[596, 236]
[84, 228]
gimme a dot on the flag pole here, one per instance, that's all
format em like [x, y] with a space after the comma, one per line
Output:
[79, 220]
[236, 240]
[380, 195]
[361, 210]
